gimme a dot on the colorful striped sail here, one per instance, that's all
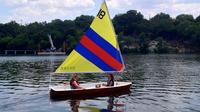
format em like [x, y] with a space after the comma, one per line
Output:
[98, 50]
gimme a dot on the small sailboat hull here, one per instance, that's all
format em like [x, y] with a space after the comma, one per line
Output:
[64, 92]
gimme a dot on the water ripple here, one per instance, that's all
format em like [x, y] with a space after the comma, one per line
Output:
[161, 83]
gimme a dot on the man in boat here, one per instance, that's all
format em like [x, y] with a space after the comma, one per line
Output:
[74, 82]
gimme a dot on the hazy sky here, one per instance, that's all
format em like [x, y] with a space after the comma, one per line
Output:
[26, 11]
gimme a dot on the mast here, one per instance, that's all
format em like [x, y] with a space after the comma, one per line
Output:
[53, 48]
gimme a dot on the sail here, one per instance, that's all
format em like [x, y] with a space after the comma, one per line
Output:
[98, 50]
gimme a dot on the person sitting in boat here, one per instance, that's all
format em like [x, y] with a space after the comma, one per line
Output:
[74, 82]
[110, 81]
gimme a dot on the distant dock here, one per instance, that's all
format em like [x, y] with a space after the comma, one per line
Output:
[28, 52]
[51, 53]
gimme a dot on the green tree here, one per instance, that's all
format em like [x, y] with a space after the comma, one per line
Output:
[162, 46]
[82, 22]
[198, 19]
[162, 25]
[143, 43]
[184, 17]
[71, 42]
[134, 32]
[18, 43]
[128, 23]
[11, 29]
[4, 42]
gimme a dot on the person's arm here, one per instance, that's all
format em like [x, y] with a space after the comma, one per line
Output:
[77, 85]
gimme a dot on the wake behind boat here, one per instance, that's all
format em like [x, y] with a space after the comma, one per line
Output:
[90, 90]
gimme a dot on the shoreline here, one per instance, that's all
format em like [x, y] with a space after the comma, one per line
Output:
[1, 55]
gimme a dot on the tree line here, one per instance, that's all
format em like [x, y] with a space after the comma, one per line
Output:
[159, 34]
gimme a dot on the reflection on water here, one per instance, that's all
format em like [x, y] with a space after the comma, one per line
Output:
[112, 106]
[75, 104]
[161, 83]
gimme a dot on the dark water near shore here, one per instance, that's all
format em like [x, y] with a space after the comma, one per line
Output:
[161, 83]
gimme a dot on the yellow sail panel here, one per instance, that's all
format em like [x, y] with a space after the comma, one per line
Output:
[75, 63]
[97, 50]
[103, 26]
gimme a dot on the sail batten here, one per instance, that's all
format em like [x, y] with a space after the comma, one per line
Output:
[98, 50]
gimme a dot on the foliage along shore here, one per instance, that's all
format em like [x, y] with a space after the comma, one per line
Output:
[159, 34]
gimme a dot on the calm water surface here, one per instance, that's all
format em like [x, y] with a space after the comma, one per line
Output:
[161, 83]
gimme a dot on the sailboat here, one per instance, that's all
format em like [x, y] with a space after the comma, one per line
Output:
[97, 52]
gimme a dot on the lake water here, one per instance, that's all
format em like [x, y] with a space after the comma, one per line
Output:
[161, 83]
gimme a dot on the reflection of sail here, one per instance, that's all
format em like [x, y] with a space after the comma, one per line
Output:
[91, 109]
[113, 106]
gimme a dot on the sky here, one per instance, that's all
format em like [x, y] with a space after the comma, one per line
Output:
[28, 11]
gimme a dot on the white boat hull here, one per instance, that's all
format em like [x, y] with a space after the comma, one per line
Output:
[90, 90]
